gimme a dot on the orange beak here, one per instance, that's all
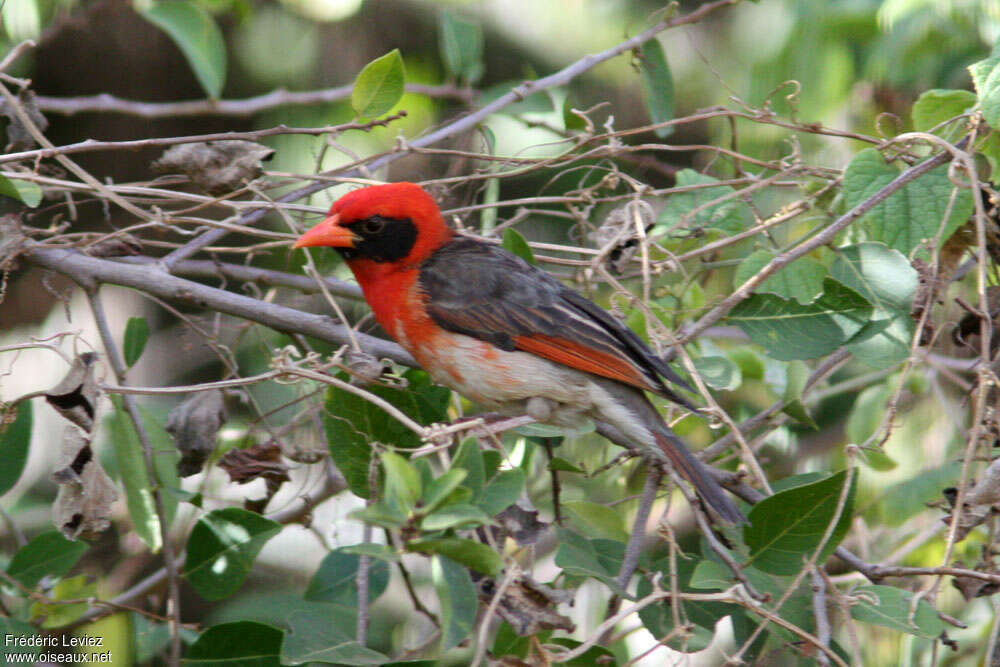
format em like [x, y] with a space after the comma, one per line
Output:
[328, 233]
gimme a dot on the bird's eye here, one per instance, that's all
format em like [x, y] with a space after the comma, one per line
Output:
[372, 225]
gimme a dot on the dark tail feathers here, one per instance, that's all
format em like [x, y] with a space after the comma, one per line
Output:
[693, 470]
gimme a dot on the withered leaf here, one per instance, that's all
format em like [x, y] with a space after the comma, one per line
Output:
[619, 230]
[119, 245]
[528, 606]
[972, 587]
[262, 461]
[217, 167]
[12, 240]
[18, 136]
[981, 501]
[364, 368]
[521, 524]
[194, 424]
[83, 504]
[75, 397]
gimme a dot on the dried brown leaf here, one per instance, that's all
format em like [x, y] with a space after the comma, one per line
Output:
[261, 461]
[528, 606]
[83, 504]
[119, 245]
[18, 136]
[217, 167]
[521, 524]
[194, 424]
[75, 397]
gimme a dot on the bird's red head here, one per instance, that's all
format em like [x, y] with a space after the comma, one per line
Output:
[396, 223]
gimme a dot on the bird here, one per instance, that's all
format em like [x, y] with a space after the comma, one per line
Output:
[502, 332]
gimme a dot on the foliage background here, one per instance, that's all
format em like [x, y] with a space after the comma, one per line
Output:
[813, 84]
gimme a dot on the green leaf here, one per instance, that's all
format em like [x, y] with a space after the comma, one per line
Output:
[15, 441]
[796, 376]
[986, 77]
[19, 631]
[471, 554]
[801, 280]
[935, 106]
[712, 576]
[911, 215]
[352, 422]
[579, 556]
[539, 102]
[901, 501]
[726, 216]
[455, 515]
[890, 607]
[24, 191]
[402, 482]
[59, 613]
[515, 244]
[657, 86]
[47, 555]
[867, 413]
[597, 520]
[788, 330]
[131, 465]
[244, 643]
[379, 86]
[560, 464]
[381, 551]
[750, 363]
[786, 528]
[438, 490]
[595, 656]
[335, 579]
[719, 372]
[887, 280]
[539, 430]
[136, 335]
[380, 514]
[461, 45]
[311, 637]
[470, 458]
[457, 595]
[222, 548]
[502, 491]
[571, 121]
[199, 39]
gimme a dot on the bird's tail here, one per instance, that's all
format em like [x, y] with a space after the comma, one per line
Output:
[694, 471]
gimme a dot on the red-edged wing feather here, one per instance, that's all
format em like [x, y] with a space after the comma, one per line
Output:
[483, 291]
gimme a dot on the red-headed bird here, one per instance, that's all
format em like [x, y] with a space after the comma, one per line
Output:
[500, 331]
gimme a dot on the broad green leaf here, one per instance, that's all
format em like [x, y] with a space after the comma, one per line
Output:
[801, 280]
[880, 274]
[24, 191]
[712, 576]
[788, 330]
[381, 514]
[539, 430]
[131, 465]
[402, 481]
[657, 85]
[199, 39]
[579, 556]
[47, 555]
[471, 554]
[913, 214]
[379, 86]
[461, 44]
[136, 335]
[901, 501]
[597, 520]
[786, 528]
[986, 77]
[335, 579]
[867, 413]
[515, 244]
[470, 459]
[719, 372]
[457, 595]
[571, 121]
[891, 607]
[439, 489]
[352, 422]
[15, 441]
[750, 363]
[312, 637]
[935, 106]
[796, 376]
[793, 481]
[381, 551]
[19, 631]
[562, 465]
[60, 613]
[887, 280]
[455, 515]
[222, 548]
[502, 491]
[726, 216]
[244, 643]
